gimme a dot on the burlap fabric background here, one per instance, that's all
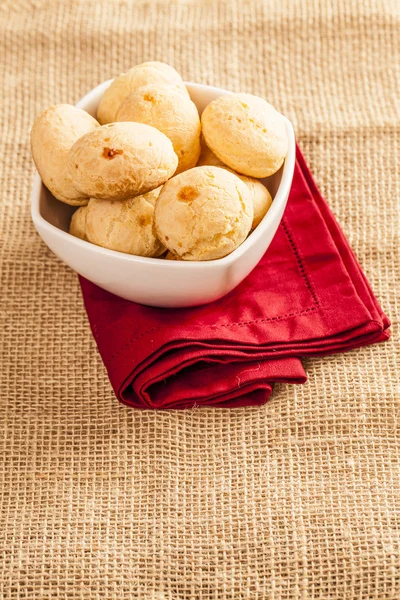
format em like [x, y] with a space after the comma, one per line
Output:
[298, 499]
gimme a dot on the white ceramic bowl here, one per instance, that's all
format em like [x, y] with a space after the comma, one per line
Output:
[154, 281]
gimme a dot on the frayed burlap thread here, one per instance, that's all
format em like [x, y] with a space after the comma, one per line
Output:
[298, 499]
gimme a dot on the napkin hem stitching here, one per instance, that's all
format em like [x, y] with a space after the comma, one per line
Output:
[225, 325]
[300, 262]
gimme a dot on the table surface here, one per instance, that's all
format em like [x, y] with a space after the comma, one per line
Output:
[297, 499]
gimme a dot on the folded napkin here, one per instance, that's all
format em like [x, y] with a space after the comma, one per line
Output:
[307, 296]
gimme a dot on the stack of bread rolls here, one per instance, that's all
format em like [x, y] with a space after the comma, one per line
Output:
[150, 178]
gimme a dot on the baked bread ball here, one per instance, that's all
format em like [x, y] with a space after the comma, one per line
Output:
[121, 160]
[170, 111]
[124, 225]
[53, 134]
[149, 72]
[78, 223]
[246, 133]
[260, 196]
[203, 213]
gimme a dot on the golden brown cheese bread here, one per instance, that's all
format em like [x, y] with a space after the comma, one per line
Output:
[246, 133]
[124, 225]
[121, 160]
[78, 223]
[203, 213]
[126, 83]
[53, 134]
[170, 111]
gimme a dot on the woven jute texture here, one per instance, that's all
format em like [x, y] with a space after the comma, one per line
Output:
[298, 499]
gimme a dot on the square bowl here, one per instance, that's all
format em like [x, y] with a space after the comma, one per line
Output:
[155, 281]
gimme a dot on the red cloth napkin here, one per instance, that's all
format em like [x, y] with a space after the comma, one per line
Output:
[307, 296]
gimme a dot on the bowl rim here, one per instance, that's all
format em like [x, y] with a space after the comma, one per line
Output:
[279, 200]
